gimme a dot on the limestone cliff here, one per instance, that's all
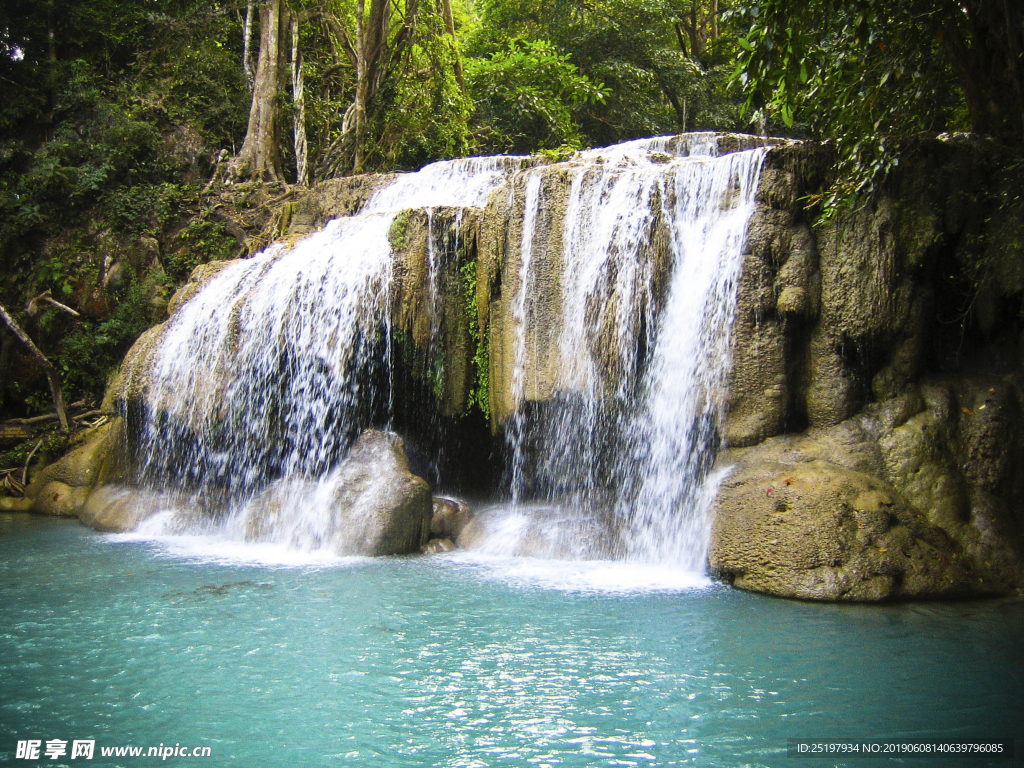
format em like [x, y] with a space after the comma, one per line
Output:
[876, 395]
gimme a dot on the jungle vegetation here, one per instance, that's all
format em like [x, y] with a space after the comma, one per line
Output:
[129, 129]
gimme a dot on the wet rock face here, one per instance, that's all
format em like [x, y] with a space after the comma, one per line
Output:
[867, 364]
[450, 517]
[117, 509]
[834, 315]
[819, 531]
[370, 505]
[898, 502]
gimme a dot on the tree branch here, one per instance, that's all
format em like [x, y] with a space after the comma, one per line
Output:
[33, 306]
[48, 369]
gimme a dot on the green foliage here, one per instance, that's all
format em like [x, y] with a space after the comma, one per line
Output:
[398, 234]
[44, 448]
[655, 80]
[203, 241]
[146, 208]
[525, 96]
[422, 113]
[480, 396]
[869, 74]
[206, 88]
[104, 148]
[103, 140]
[93, 349]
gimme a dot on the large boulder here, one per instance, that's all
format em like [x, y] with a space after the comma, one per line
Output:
[816, 530]
[117, 509]
[61, 488]
[370, 505]
[909, 499]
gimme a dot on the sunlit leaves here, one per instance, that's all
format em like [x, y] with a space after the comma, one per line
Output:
[525, 95]
[852, 71]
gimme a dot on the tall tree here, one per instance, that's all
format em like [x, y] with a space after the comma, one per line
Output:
[299, 101]
[403, 52]
[260, 155]
[665, 62]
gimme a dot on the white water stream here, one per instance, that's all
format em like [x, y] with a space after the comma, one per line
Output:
[643, 355]
[272, 369]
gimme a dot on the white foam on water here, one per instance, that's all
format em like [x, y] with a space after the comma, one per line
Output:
[224, 550]
[595, 576]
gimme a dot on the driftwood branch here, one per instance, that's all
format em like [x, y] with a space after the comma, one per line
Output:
[48, 369]
[46, 298]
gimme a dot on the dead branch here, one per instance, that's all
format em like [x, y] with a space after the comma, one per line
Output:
[46, 298]
[24, 470]
[48, 369]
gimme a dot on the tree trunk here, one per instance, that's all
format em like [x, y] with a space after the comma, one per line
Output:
[51, 59]
[694, 32]
[260, 156]
[6, 346]
[48, 369]
[679, 37]
[379, 50]
[449, 23]
[362, 87]
[250, 76]
[299, 99]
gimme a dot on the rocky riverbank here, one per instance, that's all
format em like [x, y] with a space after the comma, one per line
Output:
[874, 407]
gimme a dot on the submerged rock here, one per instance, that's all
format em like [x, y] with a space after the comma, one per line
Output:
[370, 505]
[438, 547]
[450, 517]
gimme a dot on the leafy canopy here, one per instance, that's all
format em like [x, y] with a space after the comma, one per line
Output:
[525, 96]
[868, 74]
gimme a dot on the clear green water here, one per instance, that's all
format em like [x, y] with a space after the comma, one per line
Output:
[449, 662]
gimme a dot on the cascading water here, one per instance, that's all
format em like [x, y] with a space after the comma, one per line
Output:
[268, 373]
[523, 324]
[675, 434]
[260, 382]
[632, 428]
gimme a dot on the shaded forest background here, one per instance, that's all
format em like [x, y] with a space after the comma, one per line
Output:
[140, 138]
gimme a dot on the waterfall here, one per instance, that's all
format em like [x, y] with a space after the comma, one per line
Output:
[268, 373]
[632, 428]
[675, 434]
[259, 383]
[523, 325]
